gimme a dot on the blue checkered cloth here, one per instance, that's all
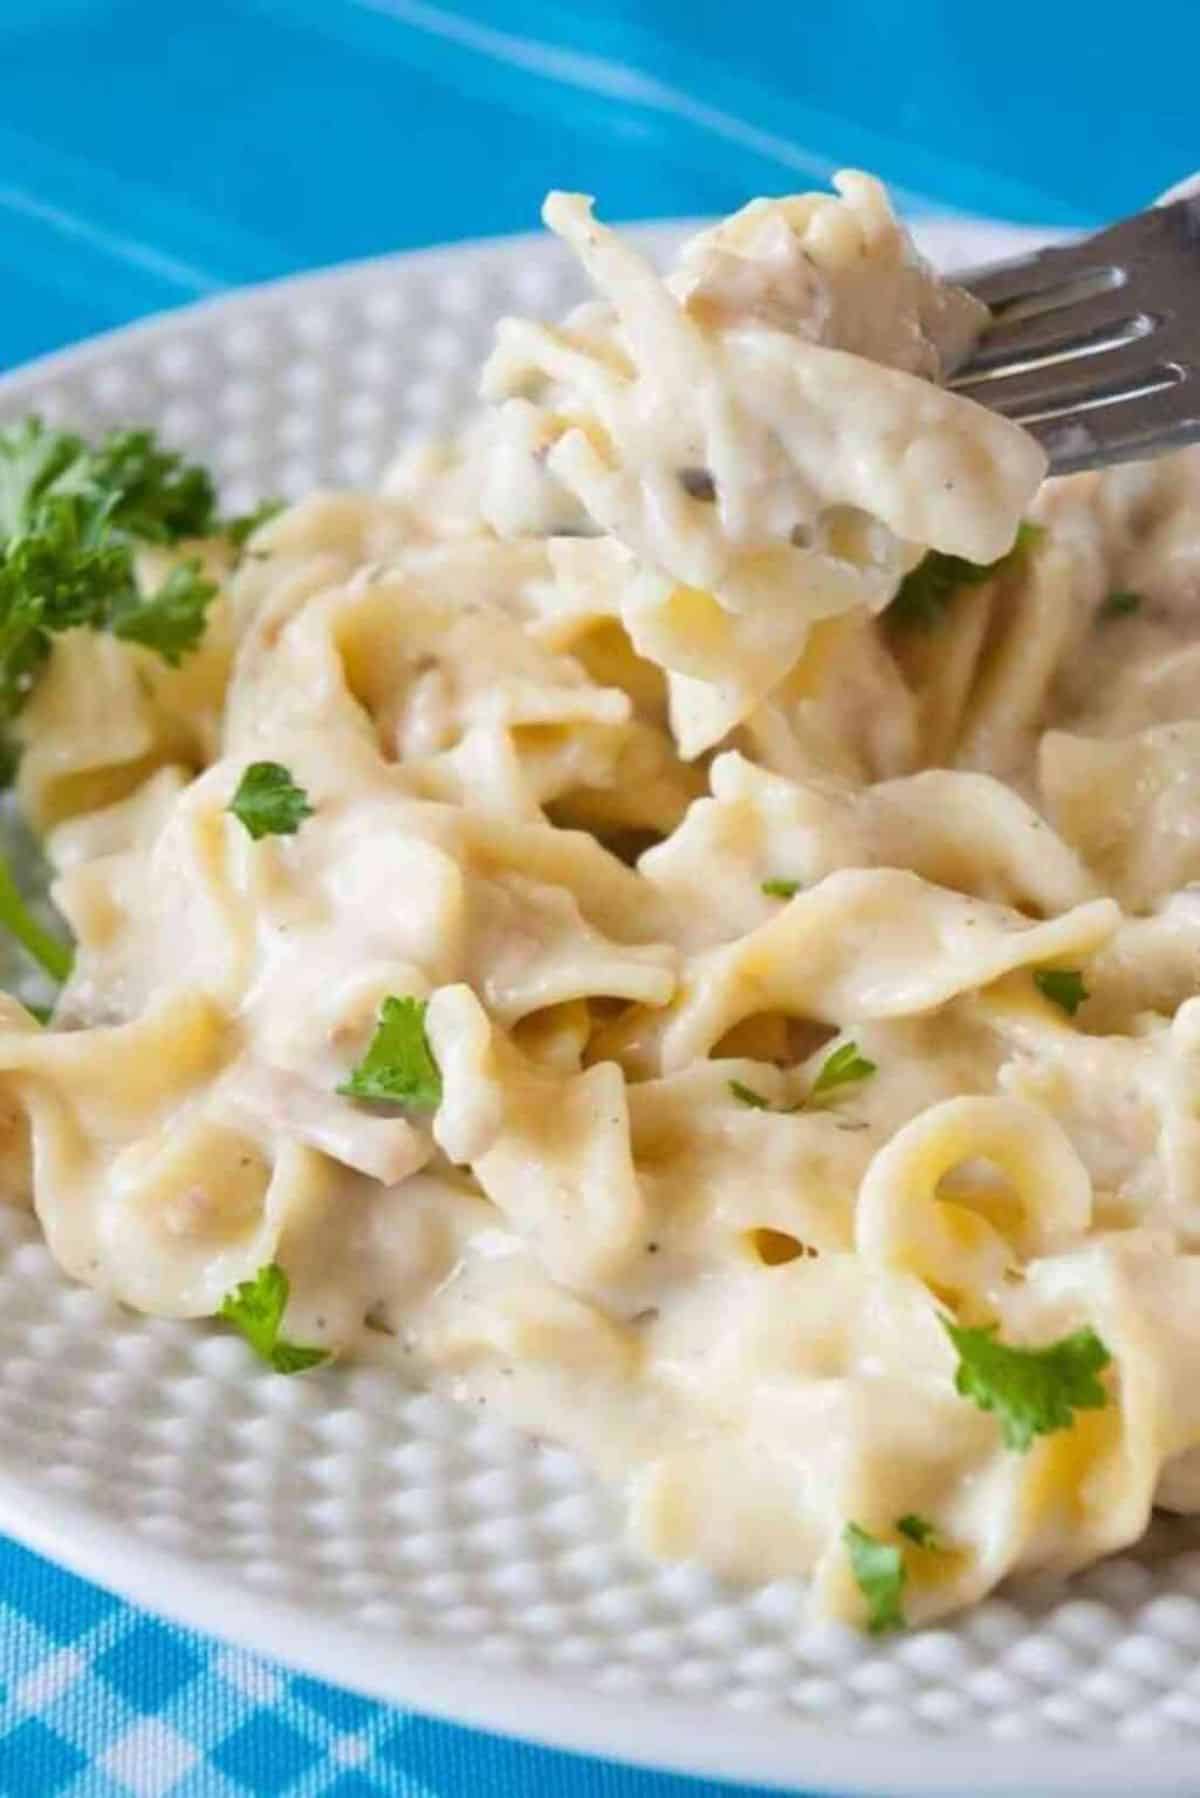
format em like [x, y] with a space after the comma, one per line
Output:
[98, 1700]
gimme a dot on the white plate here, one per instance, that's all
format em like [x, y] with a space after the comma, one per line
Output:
[389, 1541]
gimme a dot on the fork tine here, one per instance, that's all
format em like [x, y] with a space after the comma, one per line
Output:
[1113, 250]
[1094, 346]
[1025, 393]
[1166, 418]
[1073, 329]
[1002, 284]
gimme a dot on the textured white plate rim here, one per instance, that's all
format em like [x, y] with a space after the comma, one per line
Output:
[305, 284]
[665, 1733]
[993, 239]
[662, 1732]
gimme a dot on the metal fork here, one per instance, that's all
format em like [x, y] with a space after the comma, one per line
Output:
[1094, 346]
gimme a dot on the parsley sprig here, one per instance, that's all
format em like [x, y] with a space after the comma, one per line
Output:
[1121, 603]
[148, 492]
[918, 1529]
[1062, 986]
[50, 952]
[171, 620]
[746, 1095]
[880, 1575]
[71, 518]
[72, 515]
[880, 1571]
[240, 530]
[924, 594]
[398, 1067]
[844, 1066]
[256, 1308]
[268, 801]
[1033, 1392]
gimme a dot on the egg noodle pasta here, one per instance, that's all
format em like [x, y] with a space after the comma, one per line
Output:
[678, 919]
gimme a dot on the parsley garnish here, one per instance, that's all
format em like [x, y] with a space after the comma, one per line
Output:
[48, 951]
[256, 1308]
[918, 1529]
[71, 517]
[59, 573]
[170, 620]
[152, 493]
[146, 492]
[925, 592]
[879, 1572]
[1119, 605]
[239, 530]
[781, 889]
[842, 1068]
[398, 1065]
[1062, 986]
[1033, 1392]
[268, 801]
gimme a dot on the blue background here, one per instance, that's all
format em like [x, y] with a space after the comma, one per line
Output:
[155, 151]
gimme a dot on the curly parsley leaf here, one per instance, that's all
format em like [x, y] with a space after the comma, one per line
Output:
[781, 889]
[71, 517]
[153, 493]
[239, 530]
[146, 492]
[53, 581]
[843, 1067]
[256, 1308]
[1121, 604]
[32, 460]
[268, 801]
[398, 1066]
[24, 647]
[50, 952]
[290, 1357]
[926, 591]
[918, 1529]
[69, 564]
[1062, 986]
[879, 1573]
[1033, 1392]
[172, 619]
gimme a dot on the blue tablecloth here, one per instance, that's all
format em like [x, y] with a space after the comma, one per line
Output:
[154, 151]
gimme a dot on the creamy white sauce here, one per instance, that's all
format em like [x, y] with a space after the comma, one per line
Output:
[733, 1310]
